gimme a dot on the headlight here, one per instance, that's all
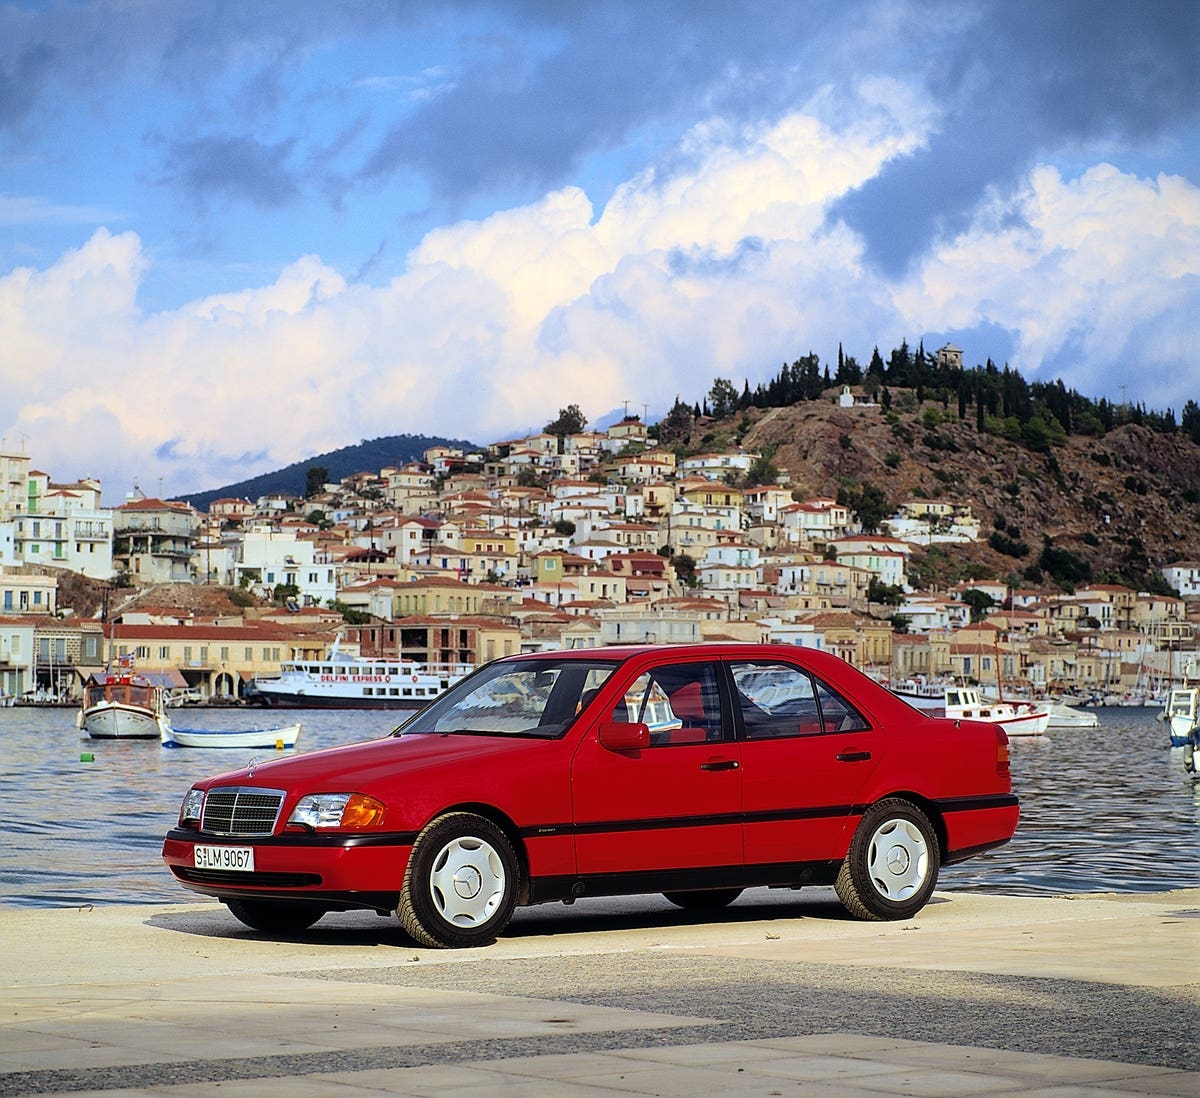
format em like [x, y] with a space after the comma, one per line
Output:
[344, 811]
[189, 811]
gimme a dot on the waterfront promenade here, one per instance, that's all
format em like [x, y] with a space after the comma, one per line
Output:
[782, 994]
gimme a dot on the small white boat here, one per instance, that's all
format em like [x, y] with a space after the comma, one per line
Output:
[1068, 716]
[124, 706]
[278, 739]
[1182, 714]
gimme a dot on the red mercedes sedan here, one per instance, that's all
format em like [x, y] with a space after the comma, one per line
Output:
[695, 771]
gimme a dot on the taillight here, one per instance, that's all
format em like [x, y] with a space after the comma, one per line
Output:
[1002, 755]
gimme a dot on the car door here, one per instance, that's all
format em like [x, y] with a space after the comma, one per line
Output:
[807, 754]
[673, 805]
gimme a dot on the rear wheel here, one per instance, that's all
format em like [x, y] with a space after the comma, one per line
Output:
[275, 916]
[710, 900]
[892, 866]
[461, 883]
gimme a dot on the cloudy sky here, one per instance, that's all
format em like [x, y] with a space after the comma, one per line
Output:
[237, 233]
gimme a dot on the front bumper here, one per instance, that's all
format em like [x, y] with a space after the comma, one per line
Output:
[339, 871]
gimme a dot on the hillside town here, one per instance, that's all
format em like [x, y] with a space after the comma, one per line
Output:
[554, 540]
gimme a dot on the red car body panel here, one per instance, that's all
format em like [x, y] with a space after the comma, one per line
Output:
[585, 819]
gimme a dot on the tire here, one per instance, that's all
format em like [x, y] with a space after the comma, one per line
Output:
[461, 884]
[275, 916]
[709, 900]
[891, 868]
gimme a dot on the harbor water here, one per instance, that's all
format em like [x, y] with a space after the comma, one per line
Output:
[1108, 809]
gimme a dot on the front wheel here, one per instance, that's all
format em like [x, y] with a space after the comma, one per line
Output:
[461, 883]
[892, 866]
[275, 917]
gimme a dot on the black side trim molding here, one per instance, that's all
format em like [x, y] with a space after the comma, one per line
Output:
[975, 804]
[970, 852]
[617, 827]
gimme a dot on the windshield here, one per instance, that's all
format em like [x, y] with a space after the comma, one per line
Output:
[524, 698]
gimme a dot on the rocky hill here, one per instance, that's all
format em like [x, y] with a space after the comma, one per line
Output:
[1123, 504]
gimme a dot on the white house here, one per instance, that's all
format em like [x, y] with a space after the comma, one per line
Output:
[649, 625]
[818, 519]
[17, 673]
[1184, 576]
[27, 594]
[933, 614]
[64, 525]
[272, 557]
[765, 502]
[927, 522]
[886, 566]
[718, 466]
[797, 634]
[8, 552]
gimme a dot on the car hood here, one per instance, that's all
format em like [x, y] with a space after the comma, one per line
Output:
[374, 759]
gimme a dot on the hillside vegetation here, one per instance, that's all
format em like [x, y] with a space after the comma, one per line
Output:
[369, 456]
[1112, 508]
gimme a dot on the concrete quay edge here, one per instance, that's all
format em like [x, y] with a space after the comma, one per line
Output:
[978, 994]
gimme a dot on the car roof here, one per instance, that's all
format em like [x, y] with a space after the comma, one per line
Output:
[833, 669]
[619, 653]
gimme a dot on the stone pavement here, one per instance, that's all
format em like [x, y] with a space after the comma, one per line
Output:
[781, 994]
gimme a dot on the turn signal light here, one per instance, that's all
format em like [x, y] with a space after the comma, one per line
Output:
[362, 812]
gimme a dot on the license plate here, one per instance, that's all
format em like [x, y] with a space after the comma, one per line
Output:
[239, 859]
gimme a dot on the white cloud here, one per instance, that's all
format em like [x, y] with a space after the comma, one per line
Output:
[727, 268]
[1096, 276]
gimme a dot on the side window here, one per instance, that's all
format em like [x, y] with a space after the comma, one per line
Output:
[680, 703]
[837, 714]
[777, 700]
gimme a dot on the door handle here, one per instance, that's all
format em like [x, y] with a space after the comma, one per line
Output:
[852, 756]
[720, 764]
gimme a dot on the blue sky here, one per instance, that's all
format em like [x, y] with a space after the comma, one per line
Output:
[233, 235]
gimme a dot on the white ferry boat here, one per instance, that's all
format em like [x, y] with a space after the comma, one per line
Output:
[347, 682]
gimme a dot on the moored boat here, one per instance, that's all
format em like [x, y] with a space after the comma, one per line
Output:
[123, 706]
[1063, 715]
[1182, 714]
[1017, 718]
[279, 738]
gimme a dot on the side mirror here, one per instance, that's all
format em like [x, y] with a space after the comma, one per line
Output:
[620, 736]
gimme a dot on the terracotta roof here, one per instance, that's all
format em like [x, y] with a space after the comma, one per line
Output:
[154, 505]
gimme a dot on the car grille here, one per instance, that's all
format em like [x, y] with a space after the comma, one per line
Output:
[241, 811]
